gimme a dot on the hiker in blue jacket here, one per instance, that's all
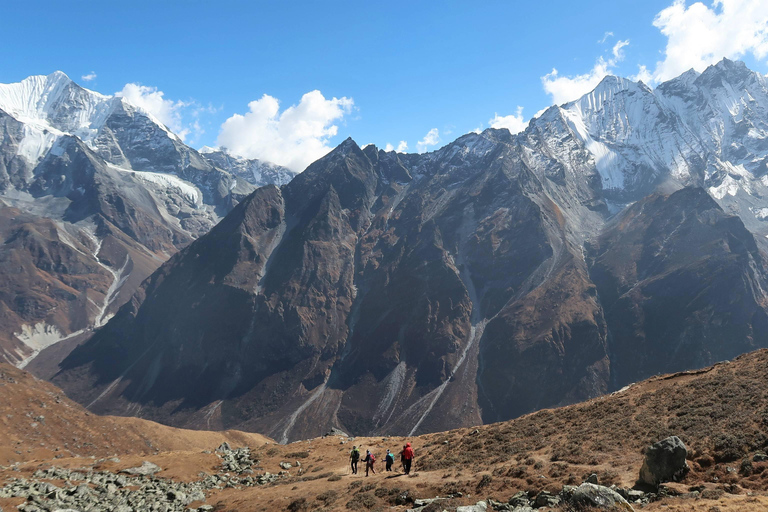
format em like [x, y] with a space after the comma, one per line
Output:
[390, 459]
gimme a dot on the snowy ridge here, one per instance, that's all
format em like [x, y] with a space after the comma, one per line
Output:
[56, 103]
[166, 182]
[707, 129]
[255, 172]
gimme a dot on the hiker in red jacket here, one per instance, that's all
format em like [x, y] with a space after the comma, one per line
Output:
[369, 461]
[407, 458]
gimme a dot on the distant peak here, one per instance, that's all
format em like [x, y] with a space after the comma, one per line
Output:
[613, 82]
[208, 149]
[691, 73]
[727, 70]
[347, 146]
[729, 64]
[683, 80]
[58, 75]
[610, 80]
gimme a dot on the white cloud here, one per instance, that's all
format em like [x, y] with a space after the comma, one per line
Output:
[643, 75]
[401, 148]
[432, 138]
[698, 36]
[513, 122]
[568, 88]
[90, 76]
[618, 55]
[294, 138]
[166, 111]
[605, 37]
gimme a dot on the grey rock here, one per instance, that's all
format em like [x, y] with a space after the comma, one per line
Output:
[760, 457]
[592, 479]
[285, 465]
[146, 469]
[174, 495]
[520, 499]
[664, 462]
[426, 501]
[546, 499]
[591, 495]
[480, 506]
[499, 506]
[196, 495]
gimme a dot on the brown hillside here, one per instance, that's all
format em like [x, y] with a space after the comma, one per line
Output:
[720, 413]
[38, 422]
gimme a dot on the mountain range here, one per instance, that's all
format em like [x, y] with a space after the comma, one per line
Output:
[96, 194]
[619, 236]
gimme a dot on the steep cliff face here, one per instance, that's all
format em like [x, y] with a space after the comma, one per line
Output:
[357, 295]
[682, 283]
[389, 293]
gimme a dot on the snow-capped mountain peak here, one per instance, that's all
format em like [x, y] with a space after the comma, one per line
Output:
[58, 102]
[50, 106]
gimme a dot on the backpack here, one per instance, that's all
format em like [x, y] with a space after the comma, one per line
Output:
[391, 457]
[355, 455]
[373, 459]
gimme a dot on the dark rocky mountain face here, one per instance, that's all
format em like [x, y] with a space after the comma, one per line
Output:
[387, 293]
[95, 194]
[682, 284]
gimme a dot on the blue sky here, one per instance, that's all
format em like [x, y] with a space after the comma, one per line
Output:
[398, 71]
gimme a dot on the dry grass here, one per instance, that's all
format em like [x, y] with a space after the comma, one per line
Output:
[39, 422]
[721, 413]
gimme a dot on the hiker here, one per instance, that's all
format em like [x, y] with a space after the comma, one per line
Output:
[390, 459]
[402, 458]
[407, 458]
[354, 456]
[369, 461]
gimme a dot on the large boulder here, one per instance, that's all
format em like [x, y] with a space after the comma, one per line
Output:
[587, 496]
[664, 462]
[480, 506]
[146, 469]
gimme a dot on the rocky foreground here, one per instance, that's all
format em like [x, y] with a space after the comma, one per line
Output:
[706, 427]
[130, 489]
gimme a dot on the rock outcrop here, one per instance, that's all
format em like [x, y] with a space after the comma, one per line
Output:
[664, 462]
